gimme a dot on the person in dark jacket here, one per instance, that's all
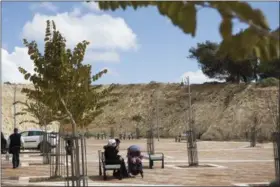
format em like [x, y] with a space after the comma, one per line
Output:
[112, 157]
[3, 143]
[15, 141]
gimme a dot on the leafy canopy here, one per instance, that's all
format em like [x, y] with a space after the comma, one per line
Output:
[225, 68]
[43, 115]
[62, 82]
[257, 38]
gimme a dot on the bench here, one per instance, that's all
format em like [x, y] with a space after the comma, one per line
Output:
[103, 166]
[155, 157]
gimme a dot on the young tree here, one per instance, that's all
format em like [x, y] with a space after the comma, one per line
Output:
[272, 107]
[254, 127]
[258, 37]
[111, 121]
[137, 118]
[64, 84]
[44, 116]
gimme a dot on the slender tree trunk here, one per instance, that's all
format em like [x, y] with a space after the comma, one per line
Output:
[46, 159]
[57, 155]
[278, 118]
[74, 131]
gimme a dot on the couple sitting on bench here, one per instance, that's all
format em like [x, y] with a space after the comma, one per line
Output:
[112, 157]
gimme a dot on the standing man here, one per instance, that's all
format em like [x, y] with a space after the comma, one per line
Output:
[15, 141]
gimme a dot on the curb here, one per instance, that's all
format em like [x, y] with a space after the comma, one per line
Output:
[249, 184]
[24, 181]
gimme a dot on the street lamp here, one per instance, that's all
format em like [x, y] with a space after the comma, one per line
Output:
[15, 91]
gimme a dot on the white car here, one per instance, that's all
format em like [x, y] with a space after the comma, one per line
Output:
[33, 139]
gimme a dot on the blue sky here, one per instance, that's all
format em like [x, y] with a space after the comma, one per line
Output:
[155, 51]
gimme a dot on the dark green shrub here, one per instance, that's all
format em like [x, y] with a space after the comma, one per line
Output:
[271, 81]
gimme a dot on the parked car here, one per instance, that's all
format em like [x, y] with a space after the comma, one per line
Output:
[34, 139]
[3, 144]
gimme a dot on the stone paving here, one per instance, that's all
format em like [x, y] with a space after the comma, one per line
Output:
[233, 163]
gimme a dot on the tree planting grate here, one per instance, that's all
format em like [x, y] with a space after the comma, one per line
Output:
[199, 166]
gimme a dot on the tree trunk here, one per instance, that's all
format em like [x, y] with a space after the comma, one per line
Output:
[137, 132]
[278, 115]
[57, 155]
[46, 159]
[76, 144]
[253, 137]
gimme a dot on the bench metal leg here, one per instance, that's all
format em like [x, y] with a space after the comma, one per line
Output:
[104, 175]
[151, 163]
[162, 163]
[100, 170]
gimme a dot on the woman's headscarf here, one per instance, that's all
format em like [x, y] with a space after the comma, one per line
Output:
[112, 142]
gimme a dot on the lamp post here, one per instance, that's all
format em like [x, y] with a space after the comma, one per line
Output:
[15, 91]
[157, 115]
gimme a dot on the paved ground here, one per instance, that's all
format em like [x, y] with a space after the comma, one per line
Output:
[233, 163]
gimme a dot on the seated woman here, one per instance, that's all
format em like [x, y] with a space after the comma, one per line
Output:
[135, 160]
[112, 157]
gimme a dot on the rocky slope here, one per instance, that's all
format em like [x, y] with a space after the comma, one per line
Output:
[221, 111]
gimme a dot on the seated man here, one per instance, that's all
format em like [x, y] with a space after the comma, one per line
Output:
[112, 157]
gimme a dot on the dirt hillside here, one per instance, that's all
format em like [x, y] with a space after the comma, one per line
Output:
[221, 111]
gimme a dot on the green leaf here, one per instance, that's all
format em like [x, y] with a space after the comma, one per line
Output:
[264, 53]
[163, 7]
[21, 70]
[257, 52]
[274, 50]
[226, 28]
[135, 4]
[243, 10]
[259, 19]
[173, 8]
[123, 4]
[187, 18]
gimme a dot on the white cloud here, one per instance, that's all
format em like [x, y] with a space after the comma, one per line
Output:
[106, 34]
[107, 56]
[5, 45]
[102, 31]
[91, 5]
[76, 12]
[197, 77]
[44, 5]
[11, 62]
[20, 58]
